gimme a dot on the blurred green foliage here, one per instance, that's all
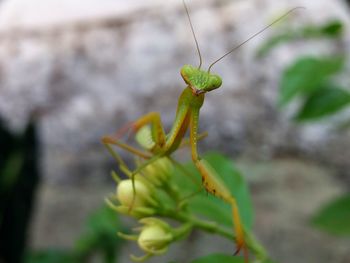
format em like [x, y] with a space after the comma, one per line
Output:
[323, 102]
[100, 236]
[312, 79]
[306, 76]
[213, 258]
[99, 239]
[216, 257]
[330, 29]
[215, 210]
[334, 217]
[50, 256]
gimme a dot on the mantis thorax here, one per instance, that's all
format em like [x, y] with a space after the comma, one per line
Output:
[200, 81]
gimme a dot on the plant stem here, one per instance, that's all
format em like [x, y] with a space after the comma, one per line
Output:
[182, 231]
[212, 227]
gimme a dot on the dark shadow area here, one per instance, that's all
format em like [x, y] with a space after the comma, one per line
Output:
[19, 178]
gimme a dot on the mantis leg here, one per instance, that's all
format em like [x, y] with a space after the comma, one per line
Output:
[109, 140]
[122, 166]
[163, 144]
[158, 135]
[186, 141]
[214, 185]
[157, 130]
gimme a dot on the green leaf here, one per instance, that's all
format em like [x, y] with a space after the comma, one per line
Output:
[209, 206]
[50, 256]
[307, 75]
[334, 217]
[100, 235]
[274, 41]
[333, 28]
[214, 258]
[330, 29]
[323, 102]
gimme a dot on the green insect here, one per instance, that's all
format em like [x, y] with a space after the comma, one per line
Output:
[198, 83]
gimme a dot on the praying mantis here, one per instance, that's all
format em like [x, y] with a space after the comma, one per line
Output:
[198, 83]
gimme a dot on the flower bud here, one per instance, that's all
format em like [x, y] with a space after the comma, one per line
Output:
[144, 138]
[159, 172]
[128, 196]
[155, 236]
[137, 201]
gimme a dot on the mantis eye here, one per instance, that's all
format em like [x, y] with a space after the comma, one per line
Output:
[187, 72]
[214, 82]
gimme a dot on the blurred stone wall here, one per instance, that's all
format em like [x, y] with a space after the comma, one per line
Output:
[83, 70]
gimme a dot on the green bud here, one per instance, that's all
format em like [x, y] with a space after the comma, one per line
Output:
[138, 212]
[137, 202]
[144, 138]
[159, 172]
[155, 236]
[128, 197]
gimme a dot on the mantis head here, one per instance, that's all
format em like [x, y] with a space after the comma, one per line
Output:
[200, 81]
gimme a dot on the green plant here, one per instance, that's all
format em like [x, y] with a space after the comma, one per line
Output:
[334, 217]
[165, 190]
[332, 29]
[312, 79]
[98, 238]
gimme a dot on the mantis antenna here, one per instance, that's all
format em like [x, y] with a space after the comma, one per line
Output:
[254, 35]
[194, 35]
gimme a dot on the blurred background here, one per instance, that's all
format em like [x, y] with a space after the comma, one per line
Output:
[72, 71]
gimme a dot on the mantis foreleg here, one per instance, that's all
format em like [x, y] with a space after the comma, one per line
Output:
[157, 131]
[213, 184]
[162, 144]
[109, 140]
[122, 166]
